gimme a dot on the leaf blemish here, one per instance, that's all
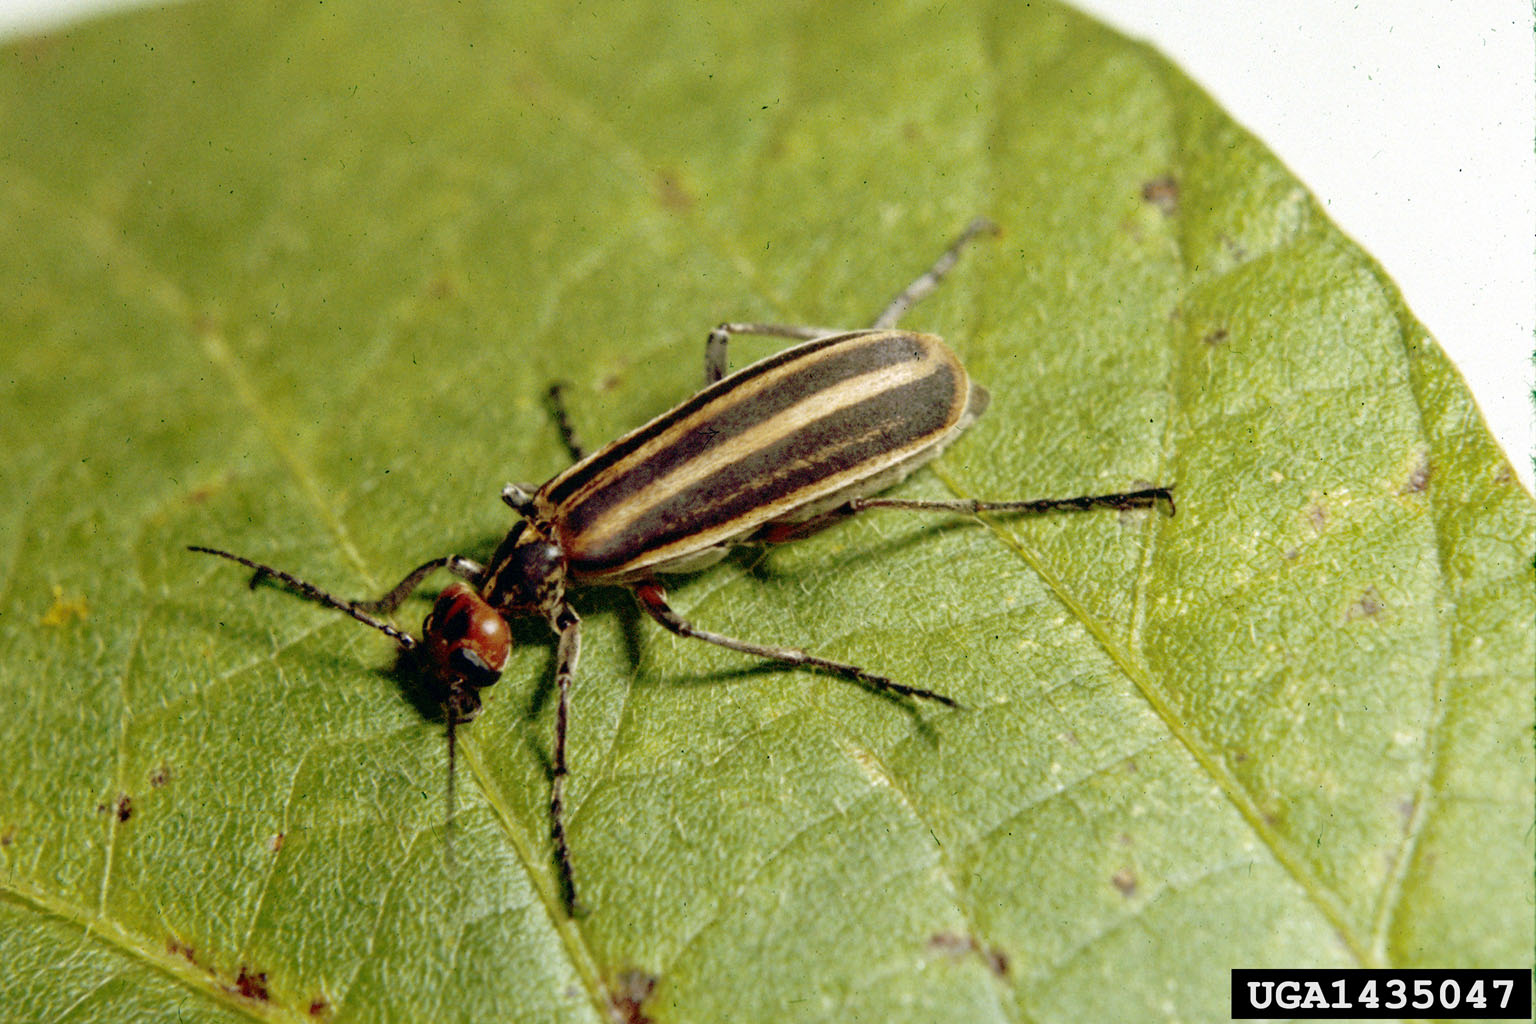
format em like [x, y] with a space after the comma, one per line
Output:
[1162, 193]
[1317, 515]
[1418, 477]
[671, 193]
[124, 807]
[1367, 606]
[251, 985]
[160, 776]
[1214, 337]
[956, 946]
[1125, 881]
[627, 996]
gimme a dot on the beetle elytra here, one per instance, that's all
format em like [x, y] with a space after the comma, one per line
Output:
[777, 450]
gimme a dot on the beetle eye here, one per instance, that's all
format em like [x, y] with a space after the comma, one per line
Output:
[469, 666]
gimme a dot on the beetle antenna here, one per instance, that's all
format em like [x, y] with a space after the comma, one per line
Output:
[453, 757]
[314, 593]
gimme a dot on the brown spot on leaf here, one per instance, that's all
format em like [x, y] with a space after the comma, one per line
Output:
[319, 1007]
[206, 324]
[1317, 515]
[252, 984]
[276, 842]
[1418, 477]
[1367, 606]
[8, 835]
[160, 776]
[672, 193]
[442, 286]
[627, 996]
[955, 946]
[176, 947]
[1162, 193]
[1125, 881]
[124, 807]
[1215, 336]
[951, 944]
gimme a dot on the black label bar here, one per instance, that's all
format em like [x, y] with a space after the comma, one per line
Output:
[1374, 994]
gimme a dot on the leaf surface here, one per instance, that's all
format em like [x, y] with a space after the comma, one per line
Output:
[293, 279]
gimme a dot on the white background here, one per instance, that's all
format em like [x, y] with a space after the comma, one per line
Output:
[1412, 121]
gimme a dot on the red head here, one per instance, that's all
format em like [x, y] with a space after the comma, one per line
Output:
[464, 641]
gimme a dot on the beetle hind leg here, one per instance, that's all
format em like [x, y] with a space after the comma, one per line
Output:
[653, 600]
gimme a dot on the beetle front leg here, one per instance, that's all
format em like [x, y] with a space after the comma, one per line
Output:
[653, 599]
[567, 624]
[463, 568]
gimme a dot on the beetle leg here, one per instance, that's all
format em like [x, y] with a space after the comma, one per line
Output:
[653, 599]
[782, 532]
[930, 278]
[715, 361]
[567, 624]
[563, 422]
[715, 357]
[1147, 497]
[463, 568]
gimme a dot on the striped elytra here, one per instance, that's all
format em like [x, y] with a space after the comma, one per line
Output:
[781, 440]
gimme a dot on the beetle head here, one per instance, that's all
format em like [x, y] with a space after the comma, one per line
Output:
[465, 644]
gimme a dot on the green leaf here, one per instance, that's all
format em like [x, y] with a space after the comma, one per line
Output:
[292, 280]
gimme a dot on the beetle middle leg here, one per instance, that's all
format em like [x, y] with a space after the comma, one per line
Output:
[929, 279]
[567, 625]
[653, 599]
[715, 358]
[556, 396]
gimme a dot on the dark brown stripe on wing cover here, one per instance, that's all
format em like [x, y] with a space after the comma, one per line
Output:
[818, 456]
[733, 411]
[799, 371]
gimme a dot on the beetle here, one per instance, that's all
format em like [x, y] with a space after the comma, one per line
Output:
[776, 451]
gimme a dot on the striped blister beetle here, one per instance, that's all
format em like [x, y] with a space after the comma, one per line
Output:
[773, 452]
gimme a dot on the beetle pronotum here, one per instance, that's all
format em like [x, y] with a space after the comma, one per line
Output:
[776, 451]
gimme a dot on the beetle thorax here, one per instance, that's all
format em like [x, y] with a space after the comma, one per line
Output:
[527, 575]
